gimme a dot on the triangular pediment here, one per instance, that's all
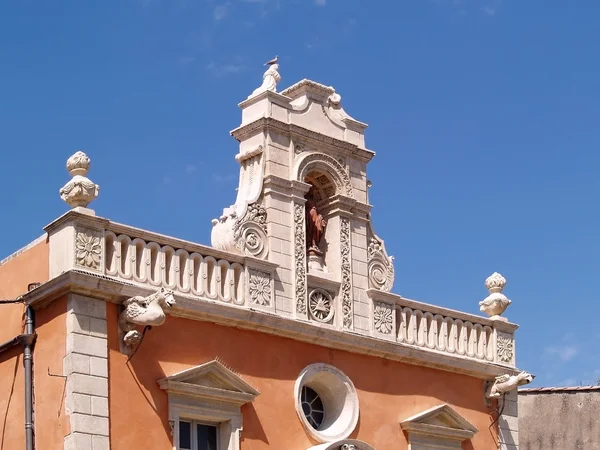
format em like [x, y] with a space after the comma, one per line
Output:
[211, 381]
[442, 421]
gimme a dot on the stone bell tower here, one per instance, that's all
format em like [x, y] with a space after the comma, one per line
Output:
[302, 204]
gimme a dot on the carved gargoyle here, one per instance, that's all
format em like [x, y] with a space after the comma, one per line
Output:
[506, 383]
[144, 311]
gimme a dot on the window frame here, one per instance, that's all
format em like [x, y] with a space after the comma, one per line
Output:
[194, 431]
[228, 423]
[210, 393]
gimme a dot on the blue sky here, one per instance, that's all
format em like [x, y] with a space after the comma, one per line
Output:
[483, 113]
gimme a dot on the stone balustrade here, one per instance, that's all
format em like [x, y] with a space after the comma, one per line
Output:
[201, 274]
[442, 330]
[85, 242]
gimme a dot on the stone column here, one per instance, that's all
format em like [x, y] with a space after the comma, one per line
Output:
[86, 368]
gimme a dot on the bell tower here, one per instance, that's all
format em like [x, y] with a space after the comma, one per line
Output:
[302, 204]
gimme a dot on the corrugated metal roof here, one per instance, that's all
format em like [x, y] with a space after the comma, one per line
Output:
[559, 389]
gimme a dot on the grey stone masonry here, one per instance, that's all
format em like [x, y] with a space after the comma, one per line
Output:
[86, 367]
[508, 424]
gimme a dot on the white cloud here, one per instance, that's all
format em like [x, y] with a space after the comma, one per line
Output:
[320, 2]
[190, 168]
[220, 12]
[563, 352]
[224, 69]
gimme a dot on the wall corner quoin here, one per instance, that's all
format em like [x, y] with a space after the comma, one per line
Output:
[85, 367]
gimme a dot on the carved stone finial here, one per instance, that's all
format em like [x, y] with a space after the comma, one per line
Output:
[144, 311]
[270, 78]
[503, 384]
[80, 190]
[495, 303]
[495, 282]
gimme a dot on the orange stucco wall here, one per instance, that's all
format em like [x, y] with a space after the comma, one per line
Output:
[388, 391]
[27, 267]
[50, 423]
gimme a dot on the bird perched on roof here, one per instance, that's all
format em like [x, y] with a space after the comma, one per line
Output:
[273, 61]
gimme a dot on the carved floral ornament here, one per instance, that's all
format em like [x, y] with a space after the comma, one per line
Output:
[496, 303]
[260, 288]
[383, 317]
[300, 258]
[88, 249]
[346, 289]
[505, 348]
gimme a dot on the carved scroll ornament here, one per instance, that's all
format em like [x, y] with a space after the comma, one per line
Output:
[242, 227]
[380, 265]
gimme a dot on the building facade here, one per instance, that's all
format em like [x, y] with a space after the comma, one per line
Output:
[283, 334]
[556, 418]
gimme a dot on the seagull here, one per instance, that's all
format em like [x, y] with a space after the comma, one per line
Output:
[273, 61]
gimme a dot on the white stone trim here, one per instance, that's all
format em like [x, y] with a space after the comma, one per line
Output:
[349, 444]
[194, 308]
[85, 366]
[209, 393]
[339, 398]
[440, 427]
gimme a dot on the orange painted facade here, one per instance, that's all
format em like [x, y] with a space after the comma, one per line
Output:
[15, 275]
[388, 391]
[239, 332]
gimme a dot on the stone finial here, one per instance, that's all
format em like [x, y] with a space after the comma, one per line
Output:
[495, 282]
[80, 190]
[495, 303]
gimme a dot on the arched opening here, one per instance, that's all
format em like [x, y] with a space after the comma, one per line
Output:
[320, 233]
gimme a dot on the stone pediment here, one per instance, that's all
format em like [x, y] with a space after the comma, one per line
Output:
[210, 381]
[440, 421]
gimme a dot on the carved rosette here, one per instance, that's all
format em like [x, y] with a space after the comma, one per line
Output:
[346, 289]
[383, 317]
[250, 233]
[380, 265]
[259, 287]
[300, 258]
[320, 305]
[88, 249]
[505, 347]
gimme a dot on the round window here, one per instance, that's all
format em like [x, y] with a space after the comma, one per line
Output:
[326, 403]
[312, 407]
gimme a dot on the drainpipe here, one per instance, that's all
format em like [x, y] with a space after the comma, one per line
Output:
[28, 365]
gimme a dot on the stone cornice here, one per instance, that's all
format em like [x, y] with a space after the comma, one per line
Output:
[296, 131]
[301, 86]
[77, 214]
[197, 308]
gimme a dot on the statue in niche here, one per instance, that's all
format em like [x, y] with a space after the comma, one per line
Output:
[315, 229]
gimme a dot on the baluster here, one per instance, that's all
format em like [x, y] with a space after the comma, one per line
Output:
[237, 283]
[431, 330]
[111, 261]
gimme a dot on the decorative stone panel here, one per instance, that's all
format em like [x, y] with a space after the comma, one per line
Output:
[300, 261]
[346, 289]
[384, 320]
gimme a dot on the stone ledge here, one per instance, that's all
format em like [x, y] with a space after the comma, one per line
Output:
[196, 308]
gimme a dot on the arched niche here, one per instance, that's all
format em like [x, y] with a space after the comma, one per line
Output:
[321, 163]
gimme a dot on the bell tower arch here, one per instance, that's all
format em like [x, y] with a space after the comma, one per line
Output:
[302, 204]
